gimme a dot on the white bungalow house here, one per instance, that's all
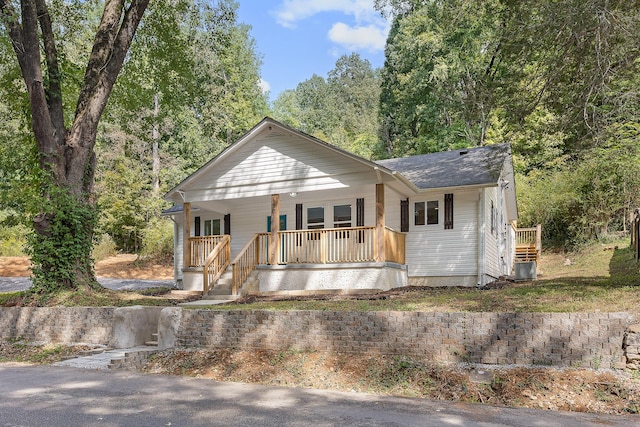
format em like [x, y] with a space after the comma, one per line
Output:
[344, 222]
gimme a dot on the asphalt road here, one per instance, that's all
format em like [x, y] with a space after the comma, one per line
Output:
[12, 284]
[53, 396]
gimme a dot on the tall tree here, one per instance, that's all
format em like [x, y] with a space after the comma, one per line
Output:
[61, 249]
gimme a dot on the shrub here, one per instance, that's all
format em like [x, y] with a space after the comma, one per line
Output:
[104, 248]
[157, 239]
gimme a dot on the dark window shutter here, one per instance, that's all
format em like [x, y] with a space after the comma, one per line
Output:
[298, 216]
[448, 211]
[196, 229]
[227, 224]
[360, 212]
[404, 215]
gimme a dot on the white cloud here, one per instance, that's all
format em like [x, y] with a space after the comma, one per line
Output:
[292, 11]
[370, 37]
[366, 31]
[264, 86]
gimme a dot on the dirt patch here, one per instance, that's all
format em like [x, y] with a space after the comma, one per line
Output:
[580, 390]
[123, 266]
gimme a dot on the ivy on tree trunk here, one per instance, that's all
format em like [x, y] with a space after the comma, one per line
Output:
[62, 242]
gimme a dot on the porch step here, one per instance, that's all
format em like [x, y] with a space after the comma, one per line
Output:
[153, 342]
[225, 297]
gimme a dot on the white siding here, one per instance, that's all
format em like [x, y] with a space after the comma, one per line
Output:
[392, 209]
[498, 248]
[434, 251]
[276, 164]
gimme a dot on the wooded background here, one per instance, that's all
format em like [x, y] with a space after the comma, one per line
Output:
[558, 80]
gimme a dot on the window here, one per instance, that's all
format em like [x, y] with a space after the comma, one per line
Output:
[432, 212]
[212, 227]
[419, 213]
[342, 216]
[315, 218]
[426, 213]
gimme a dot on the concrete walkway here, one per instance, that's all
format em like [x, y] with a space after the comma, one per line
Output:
[102, 360]
[13, 284]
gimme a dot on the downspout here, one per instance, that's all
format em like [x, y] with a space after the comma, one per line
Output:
[175, 250]
[481, 237]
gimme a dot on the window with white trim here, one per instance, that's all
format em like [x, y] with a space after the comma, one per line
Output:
[341, 216]
[426, 213]
[212, 227]
[315, 217]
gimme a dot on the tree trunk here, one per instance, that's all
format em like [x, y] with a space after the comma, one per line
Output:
[61, 246]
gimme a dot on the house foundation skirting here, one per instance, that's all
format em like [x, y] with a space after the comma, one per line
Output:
[192, 279]
[382, 276]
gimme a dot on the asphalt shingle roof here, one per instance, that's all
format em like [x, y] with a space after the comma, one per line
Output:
[473, 166]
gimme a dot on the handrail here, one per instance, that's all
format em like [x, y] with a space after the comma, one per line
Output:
[244, 263]
[216, 263]
[532, 237]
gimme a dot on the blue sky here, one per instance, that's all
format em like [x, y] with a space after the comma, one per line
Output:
[298, 38]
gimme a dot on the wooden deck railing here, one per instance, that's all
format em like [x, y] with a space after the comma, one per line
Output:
[321, 246]
[216, 263]
[395, 244]
[201, 247]
[529, 244]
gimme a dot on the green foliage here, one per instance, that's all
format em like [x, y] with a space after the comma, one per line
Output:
[126, 203]
[157, 241]
[341, 110]
[587, 199]
[104, 248]
[12, 234]
[60, 247]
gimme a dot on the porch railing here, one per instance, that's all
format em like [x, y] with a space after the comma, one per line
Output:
[201, 247]
[395, 244]
[529, 244]
[216, 263]
[320, 246]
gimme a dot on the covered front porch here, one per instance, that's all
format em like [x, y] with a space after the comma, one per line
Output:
[312, 258]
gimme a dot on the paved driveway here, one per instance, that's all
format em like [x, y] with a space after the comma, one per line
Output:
[11, 284]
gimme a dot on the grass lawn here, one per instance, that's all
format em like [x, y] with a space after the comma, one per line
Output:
[603, 278]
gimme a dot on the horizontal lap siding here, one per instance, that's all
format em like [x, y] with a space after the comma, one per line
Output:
[434, 251]
[269, 164]
[252, 218]
[492, 256]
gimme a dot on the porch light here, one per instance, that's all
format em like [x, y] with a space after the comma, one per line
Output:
[293, 194]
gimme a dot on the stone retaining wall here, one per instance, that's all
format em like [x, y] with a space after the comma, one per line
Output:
[117, 327]
[66, 325]
[597, 340]
[559, 339]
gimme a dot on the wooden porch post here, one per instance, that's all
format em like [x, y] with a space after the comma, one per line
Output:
[186, 233]
[274, 241]
[380, 248]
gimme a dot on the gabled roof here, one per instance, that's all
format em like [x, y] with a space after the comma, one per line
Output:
[468, 167]
[266, 125]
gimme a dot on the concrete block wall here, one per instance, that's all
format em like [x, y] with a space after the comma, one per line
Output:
[557, 339]
[118, 327]
[66, 325]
